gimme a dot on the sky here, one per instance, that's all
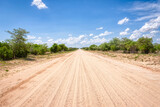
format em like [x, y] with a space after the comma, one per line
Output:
[80, 23]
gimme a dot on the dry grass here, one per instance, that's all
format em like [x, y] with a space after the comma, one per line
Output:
[150, 61]
[12, 66]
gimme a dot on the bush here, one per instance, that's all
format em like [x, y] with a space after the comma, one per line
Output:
[157, 47]
[72, 49]
[104, 47]
[93, 47]
[6, 52]
[55, 48]
[38, 49]
[63, 47]
[115, 44]
[145, 45]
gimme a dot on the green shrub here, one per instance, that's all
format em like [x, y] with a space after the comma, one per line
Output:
[6, 53]
[55, 48]
[93, 47]
[145, 45]
[104, 47]
[38, 49]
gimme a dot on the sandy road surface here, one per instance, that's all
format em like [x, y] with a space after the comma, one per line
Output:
[81, 79]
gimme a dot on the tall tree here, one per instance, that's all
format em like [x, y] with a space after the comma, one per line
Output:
[18, 42]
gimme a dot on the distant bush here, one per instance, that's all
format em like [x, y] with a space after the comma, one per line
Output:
[63, 47]
[143, 45]
[55, 48]
[72, 49]
[38, 49]
[93, 47]
[104, 47]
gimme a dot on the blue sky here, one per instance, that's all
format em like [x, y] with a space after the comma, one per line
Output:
[80, 23]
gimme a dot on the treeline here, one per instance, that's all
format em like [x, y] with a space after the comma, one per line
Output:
[17, 46]
[142, 45]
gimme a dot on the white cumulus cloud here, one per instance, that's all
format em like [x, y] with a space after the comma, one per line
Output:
[38, 41]
[91, 34]
[158, 39]
[122, 21]
[100, 28]
[69, 40]
[106, 33]
[93, 41]
[136, 33]
[30, 37]
[39, 4]
[149, 27]
[125, 32]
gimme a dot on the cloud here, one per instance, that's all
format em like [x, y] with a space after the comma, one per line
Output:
[50, 42]
[100, 28]
[158, 39]
[106, 33]
[154, 32]
[93, 41]
[149, 27]
[136, 33]
[145, 10]
[30, 37]
[148, 35]
[96, 37]
[125, 32]
[145, 6]
[38, 41]
[125, 20]
[68, 41]
[148, 17]
[39, 4]
[91, 34]
[69, 35]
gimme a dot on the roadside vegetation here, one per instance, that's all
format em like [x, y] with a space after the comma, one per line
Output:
[18, 47]
[143, 45]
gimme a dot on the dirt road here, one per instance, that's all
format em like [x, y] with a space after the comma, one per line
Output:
[81, 79]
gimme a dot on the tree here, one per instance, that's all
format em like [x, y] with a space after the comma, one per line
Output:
[38, 49]
[145, 45]
[132, 47]
[115, 44]
[63, 47]
[18, 42]
[104, 47]
[72, 49]
[157, 47]
[124, 45]
[93, 47]
[55, 48]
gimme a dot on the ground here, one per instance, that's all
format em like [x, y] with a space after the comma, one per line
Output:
[84, 79]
